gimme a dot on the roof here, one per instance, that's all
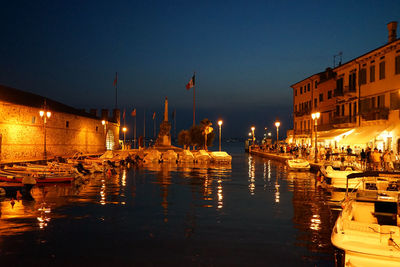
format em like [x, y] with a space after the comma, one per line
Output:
[15, 96]
[341, 65]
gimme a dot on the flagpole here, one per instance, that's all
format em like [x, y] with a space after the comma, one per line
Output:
[174, 123]
[144, 129]
[154, 126]
[134, 133]
[194, 101]
[116, 90]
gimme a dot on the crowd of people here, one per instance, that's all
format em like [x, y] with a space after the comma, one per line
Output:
[368, 159]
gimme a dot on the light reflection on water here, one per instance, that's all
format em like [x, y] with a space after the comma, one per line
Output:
[254, 212]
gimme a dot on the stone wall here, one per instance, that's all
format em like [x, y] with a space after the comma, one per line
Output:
[22, 134]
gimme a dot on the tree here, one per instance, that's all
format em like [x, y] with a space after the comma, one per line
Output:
[199, 135]
[184, 138]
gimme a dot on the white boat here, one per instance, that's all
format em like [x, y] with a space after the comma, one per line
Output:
[152, 156]
[220, 157]
[185, 156]
[298, 164]
[367, 230]
[202, 156]
[169, 156]
[338, 179]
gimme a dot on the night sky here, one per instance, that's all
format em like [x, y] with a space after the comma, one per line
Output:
[246, 54]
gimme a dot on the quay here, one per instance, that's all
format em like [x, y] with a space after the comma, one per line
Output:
[282, 157]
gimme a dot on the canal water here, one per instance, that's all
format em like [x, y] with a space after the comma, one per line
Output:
[254, 213]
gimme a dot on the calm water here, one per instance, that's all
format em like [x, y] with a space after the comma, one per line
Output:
[255, 213]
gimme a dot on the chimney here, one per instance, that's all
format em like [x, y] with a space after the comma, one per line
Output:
[104, 114]
[392, 28]
[93, 111]
[116, 116]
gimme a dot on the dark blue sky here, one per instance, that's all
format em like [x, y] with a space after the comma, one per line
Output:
[246, 54]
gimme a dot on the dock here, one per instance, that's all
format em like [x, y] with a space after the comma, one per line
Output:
[282, 157]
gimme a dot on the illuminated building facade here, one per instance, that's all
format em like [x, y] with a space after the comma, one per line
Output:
[25, 135]
[359, 100]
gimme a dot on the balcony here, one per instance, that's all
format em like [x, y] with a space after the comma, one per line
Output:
[376, 114]
[345, 91]
[302, 132]
[302, 113]
[344, 119]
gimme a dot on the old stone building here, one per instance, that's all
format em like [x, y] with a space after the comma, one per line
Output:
[359, 101]
[26, 135]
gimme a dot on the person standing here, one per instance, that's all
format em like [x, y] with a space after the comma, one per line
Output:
[376, 160]
[363, 157]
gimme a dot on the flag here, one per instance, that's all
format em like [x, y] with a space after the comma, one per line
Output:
[133, 113]
[116, 79]
[190, 83]
[123, 115]
[154, 115]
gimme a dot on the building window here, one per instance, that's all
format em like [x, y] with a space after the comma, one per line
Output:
[380, 101]
[301, 89]
[372, 73]
[337, 110]
[362, 76]
[329, 94]
[308, 87]
[373, 102]
[33, 119]
[343, 110]
[316, 84]
[321, 97]
[97, 128]
[315, 102]
[394, 101]
[352, 81]
[382, 70]
[355, 108]
[295, 92]
[67, 124]
[339, 86]
[397, 65]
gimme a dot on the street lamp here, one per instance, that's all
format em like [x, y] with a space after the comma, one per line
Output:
[315, 116]
[252, 131]
[44, 115]
[220, 124]
[124, 130]
[277, 124]
[104, 123]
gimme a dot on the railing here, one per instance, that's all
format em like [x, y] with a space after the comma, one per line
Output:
[376, 114]
[344, 119]
[302, 112]
[343, 91]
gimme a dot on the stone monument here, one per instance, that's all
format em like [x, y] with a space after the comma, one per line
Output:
[164, 136]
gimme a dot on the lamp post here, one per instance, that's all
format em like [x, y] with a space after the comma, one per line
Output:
[252, 132]
[44, 114]
[124, 130]
[104, 123]
[220, 124]
[277, 124]
[315, 116]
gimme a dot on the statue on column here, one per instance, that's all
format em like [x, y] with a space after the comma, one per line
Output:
[164, 135]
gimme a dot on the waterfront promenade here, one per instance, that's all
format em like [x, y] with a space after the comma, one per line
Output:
[282, 157]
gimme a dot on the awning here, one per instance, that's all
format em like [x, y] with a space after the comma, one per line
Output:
[333, 134]
[363, 135]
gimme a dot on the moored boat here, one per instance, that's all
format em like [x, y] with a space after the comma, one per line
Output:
[298, 164]
[368, 231]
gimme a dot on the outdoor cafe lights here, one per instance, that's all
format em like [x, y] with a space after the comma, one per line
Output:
[315, 116]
